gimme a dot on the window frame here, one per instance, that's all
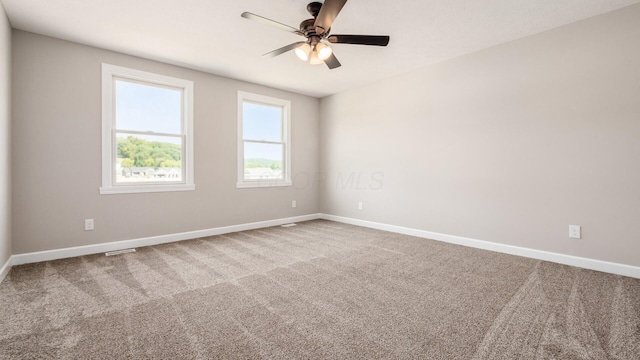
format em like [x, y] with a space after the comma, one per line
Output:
[111, 73]
[286, 140]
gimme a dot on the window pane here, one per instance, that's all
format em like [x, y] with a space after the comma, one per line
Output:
[148, 108]
[263, 161]
[261, 122]
[142, 158]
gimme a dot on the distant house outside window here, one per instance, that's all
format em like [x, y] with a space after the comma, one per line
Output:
[264, 141]
[147, 132]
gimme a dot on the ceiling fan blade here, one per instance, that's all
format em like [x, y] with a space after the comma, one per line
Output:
[332, 62]
[328, 13]
[264, 20]
[284, 49]
[377, 40]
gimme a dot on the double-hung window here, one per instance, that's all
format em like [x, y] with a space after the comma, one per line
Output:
[147, 132]
[264, 141]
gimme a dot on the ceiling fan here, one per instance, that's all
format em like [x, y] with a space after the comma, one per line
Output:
[316, 30]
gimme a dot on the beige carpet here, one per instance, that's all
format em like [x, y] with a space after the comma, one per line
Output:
[318, 290]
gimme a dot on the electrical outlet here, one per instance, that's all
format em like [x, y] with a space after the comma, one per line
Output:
[293, 204]
[360, 205]
[88, 225]
[575, 232]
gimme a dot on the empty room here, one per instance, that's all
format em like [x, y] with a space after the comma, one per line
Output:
[293, 179]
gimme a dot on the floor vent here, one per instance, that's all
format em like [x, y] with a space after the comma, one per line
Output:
[289, 225]
[118, 252]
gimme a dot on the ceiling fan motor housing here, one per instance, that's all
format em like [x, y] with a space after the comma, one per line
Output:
[308, 29]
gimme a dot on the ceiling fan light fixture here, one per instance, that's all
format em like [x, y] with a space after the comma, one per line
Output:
[324, 51]
[303, 52]
[315, 60]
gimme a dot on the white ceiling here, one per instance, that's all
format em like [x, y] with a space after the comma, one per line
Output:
[210, 35]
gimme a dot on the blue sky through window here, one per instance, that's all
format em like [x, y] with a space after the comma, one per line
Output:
[261, 122]
[263, 151]
[148, 108]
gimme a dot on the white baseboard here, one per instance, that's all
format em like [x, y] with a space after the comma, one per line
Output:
[5, 268]
[592, 264]
[148, 241]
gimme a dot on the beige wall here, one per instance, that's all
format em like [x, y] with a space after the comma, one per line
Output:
[56, 154]
[510, 144]
[5, 138]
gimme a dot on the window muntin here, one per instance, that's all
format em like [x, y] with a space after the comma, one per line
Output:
[147, 132]
[264, 141]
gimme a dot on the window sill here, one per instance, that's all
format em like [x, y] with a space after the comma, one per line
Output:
[262, 184]
[132, 189]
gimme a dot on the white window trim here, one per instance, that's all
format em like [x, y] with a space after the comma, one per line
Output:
[109, 72]
[286, 136]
